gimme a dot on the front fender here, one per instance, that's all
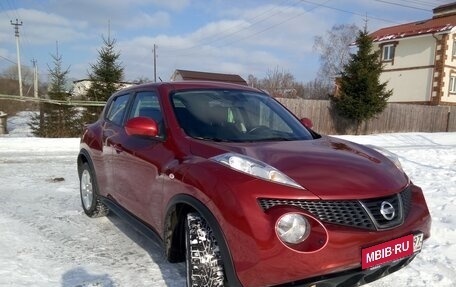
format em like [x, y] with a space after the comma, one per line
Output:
[174, 239]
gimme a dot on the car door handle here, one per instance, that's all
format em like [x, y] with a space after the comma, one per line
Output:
[118, 148]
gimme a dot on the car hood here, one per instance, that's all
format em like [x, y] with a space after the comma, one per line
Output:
[328, 167]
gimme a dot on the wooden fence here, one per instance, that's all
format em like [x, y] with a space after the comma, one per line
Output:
[395, 118]
[452, 120]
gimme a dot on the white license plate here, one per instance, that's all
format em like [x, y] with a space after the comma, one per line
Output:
[392, 250]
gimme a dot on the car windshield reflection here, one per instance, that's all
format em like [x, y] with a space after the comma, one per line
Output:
[235, 116]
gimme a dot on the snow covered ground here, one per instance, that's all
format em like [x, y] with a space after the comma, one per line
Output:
[46, 240]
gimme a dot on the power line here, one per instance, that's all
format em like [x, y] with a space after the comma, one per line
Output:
[11, 61]
[252, 23]
[422, 3]
[402, 5]
[5, 9]
[351, 12]
[316, 5]
[13, 9]
[25, 40]
[221, 35]
[250, 26]
[280, 23]
[325, 6]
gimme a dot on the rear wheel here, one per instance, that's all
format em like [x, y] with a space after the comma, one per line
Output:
[90, 199]
[204, 263]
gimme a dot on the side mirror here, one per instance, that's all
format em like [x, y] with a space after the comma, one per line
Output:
[141, 126]
[307, 122]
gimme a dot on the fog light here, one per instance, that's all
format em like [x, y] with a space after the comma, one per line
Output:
[292, 228]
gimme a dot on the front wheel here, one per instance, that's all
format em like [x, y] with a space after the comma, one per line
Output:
[90, 199]
[204, 263]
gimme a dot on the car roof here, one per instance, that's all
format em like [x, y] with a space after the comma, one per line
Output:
[186, 85]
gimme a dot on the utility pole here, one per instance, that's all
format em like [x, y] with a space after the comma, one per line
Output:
[155, 63]
[35, 79]
[16, 34]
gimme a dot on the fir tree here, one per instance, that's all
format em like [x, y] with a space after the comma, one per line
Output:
[105, 77]
[362, 96]
[57, 120]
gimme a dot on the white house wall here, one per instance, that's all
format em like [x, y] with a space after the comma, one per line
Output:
[177, 77]
[80, 88]
[410, 74]
[410, 85]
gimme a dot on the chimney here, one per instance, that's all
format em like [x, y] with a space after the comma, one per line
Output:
[444, 10]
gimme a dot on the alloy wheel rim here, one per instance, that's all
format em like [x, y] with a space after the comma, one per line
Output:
[86, 189]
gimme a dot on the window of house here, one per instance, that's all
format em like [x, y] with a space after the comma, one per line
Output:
[454, 48]
[452, 84]
[388, 52]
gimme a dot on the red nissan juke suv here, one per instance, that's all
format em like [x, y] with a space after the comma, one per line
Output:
[232, 183]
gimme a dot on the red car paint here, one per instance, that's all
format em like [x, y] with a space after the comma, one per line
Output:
[144, 175]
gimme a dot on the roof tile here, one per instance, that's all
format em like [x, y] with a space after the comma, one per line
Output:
[430, 26]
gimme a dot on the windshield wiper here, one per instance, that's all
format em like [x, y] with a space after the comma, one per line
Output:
[214, 139]
[272, 139]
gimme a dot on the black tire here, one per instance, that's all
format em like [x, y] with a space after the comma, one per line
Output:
[88, 189]
[203, 260]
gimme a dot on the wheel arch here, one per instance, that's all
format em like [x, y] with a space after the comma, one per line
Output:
[84, 157]
[174, 232]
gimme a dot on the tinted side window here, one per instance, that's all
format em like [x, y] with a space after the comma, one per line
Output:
[117, 109]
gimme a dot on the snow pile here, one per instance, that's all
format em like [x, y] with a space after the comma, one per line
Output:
[46, 239]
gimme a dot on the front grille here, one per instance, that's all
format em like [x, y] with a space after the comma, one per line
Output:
[346, 212]
[406, 197]
[373, 208]
[363, 214]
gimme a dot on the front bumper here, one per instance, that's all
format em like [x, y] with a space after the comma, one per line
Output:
[354, 277]
[333, 254]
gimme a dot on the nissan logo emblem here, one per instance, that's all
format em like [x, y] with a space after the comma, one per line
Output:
[387, 210]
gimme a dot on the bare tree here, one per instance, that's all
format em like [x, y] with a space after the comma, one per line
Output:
[11, 73]
[282, 84]
[317, 90]
[253, 81]
[334, 48]
[142, 80]
[9, 81]
[276, 83]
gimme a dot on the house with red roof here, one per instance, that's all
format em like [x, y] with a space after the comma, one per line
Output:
[420, 58]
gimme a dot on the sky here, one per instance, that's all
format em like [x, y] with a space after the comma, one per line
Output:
[236, 36]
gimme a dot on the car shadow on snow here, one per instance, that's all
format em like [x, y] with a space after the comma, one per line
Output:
[173, 274]
[79, 277]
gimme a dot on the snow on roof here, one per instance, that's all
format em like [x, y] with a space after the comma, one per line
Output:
[430, 26]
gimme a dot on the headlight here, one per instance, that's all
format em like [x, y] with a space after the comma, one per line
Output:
[254, 167]
[292, 228]
[391, 156]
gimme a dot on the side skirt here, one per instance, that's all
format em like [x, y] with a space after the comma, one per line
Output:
[135, 222]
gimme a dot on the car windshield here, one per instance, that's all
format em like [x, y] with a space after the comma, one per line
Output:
[235, 116]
